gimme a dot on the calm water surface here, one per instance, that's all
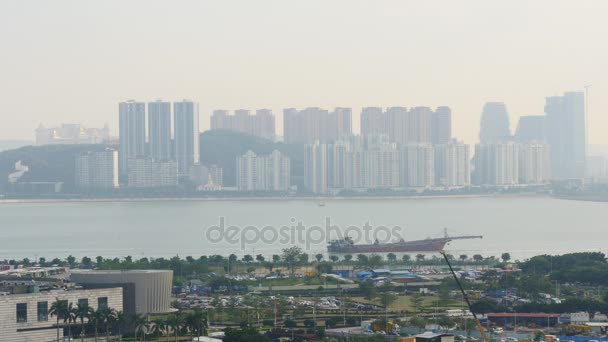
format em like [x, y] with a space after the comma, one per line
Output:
[523, 226]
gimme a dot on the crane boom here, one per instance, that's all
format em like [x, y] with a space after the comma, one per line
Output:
[466, 298]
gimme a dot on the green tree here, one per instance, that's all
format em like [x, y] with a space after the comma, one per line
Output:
[419, 257]
[175, 322]
[291, 256]
[368, 289]
[71, 261]
[319, 257]
[120, 319]
[334, 258]
[59, 309]
[375, 261]
[158, 327]
[463, 257]
[246, 334]
[247, 258]
[478, 257]
[82, 311]
[107, 316]
[362, 260]
[416, 301]
[141, 325]
[505, 257]
[391, 257]
[87, 262]
[406, 258]
[324, 267]
[259, 258]
[348, 258]
[96, 317]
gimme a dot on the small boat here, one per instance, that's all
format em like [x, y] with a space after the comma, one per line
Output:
[321, 204]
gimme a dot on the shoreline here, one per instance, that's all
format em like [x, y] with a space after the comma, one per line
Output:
[269, 199]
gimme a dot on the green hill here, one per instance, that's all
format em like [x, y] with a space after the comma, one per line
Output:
[50, 163]
[53, 163]
[222, 147]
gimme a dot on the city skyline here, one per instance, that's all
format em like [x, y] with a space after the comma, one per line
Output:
[519, 57]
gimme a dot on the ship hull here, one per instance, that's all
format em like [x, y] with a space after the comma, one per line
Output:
[429, 245]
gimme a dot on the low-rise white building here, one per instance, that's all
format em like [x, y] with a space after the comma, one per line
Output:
[25, 317]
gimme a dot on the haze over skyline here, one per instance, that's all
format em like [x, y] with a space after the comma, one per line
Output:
[73, 61]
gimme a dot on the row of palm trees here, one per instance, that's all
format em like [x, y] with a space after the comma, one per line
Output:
[191, 323]
[69, 314]
[181, 323]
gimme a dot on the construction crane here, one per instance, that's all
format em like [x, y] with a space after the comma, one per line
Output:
[466, 298]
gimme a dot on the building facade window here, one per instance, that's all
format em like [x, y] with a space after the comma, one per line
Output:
[102, 303]
[43, 311]
[21, 312]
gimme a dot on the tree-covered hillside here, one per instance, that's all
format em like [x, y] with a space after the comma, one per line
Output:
[222, 147]
[50, 163]
[56, 162]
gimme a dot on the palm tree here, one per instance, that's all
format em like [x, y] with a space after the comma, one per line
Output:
[158, 327]
[119, 319]
[196, 321]
[175, 323]
[59, 309]
[96, 316]
[108, 319]
[81, 311]
[141, 325]
[69, 317]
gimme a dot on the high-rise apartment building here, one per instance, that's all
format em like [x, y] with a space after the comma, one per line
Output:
[147, 172]
[413, 126]
[263, 173]
[418, 126]
[159, 130]
[262, 124]
[316, 167]
[494, 123]
[186, 135]
[373, 121]
[367, 162]
[531, 128]
[417, 165]
[132, 133]
[397, 124]
[534, 163]
[316, 124]
[497, 164]
[566, 135]
[452, 165]
[442, 125]
[97, 170]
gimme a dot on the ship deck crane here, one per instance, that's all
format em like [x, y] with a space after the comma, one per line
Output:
[484, 335]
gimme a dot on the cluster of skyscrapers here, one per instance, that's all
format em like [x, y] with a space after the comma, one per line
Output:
[183, 146]
[398, 148]
[374, 162]
[155, 155]
[544, 147]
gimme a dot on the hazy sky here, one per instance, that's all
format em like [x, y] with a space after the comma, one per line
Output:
[73, 61]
